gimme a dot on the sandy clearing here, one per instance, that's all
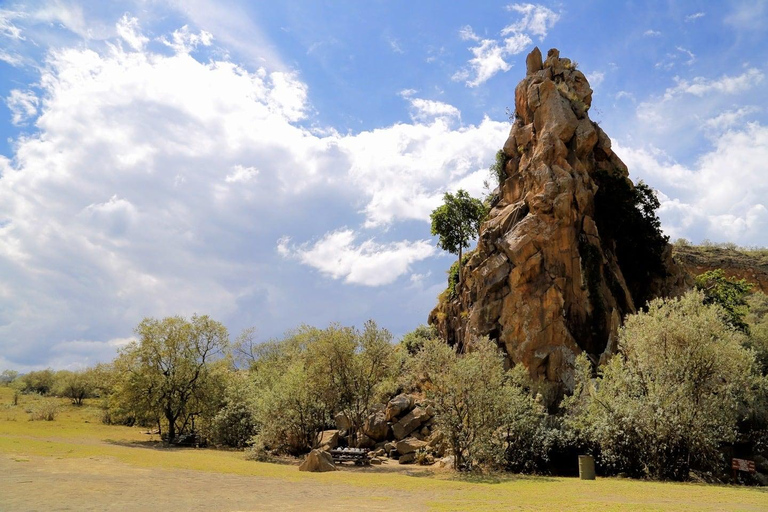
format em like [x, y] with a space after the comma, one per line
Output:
[46, 484]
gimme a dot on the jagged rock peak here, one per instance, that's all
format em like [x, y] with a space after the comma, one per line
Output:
[545, 281]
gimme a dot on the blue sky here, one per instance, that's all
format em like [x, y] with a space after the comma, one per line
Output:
[275, 163]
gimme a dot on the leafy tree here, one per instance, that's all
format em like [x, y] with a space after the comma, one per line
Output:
[730, 294]
[77, 386]
[484, 415]
[673, 394]
[168, 376]
[757, 320]
[457, 222]
[8, 376]
[415, 340]
[626, 214]
[40, 382]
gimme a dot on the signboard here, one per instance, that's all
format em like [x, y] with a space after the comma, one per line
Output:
[743, 465]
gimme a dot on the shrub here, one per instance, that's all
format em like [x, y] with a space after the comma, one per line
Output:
[415, 340]
[671, 397]
[46, 409]
[484, 416]
[235, 423]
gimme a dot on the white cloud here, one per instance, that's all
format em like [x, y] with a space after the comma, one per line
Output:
[241, 174]
[466, 33]
[184, 41]
[487, 61]
[23, 106]
[128, 29]
[7, 28]
[690, 54]
[130, 200]
[13, 59]
[368, 263]
[695, 16]
[537, 20]
[721, 197]
[595, 78]
[748, 15]
[651, 33]
[489, 55]
[700, 86]
[730, 118]
[428, 110]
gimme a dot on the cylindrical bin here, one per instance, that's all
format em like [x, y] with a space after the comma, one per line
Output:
[586, 467]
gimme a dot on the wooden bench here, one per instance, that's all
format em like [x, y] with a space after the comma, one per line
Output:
[357, 455]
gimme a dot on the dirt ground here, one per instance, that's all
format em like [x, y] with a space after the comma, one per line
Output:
[47, 484]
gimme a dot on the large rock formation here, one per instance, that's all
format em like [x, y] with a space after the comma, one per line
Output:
[555, 272]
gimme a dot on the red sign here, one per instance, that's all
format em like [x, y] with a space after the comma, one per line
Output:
[743, 465]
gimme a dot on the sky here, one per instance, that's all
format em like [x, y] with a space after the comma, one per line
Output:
[273, 164]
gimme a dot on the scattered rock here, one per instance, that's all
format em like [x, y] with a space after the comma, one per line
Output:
[376, 426]
[342, 421]
[318, 461]
[409, 458]
[398, 406]
[409, 423]
[410, 445]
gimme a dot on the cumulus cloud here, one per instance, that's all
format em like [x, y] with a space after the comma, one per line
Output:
[490, 54]
[651, 33]
[721, 197]
[156, 184]
[368, 263]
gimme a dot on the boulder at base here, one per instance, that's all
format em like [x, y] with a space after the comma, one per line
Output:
[318, 461]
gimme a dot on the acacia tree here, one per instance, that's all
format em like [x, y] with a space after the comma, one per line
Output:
[457, 222]
[168, 375]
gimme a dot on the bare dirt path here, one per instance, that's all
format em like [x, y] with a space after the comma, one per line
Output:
[47, 484]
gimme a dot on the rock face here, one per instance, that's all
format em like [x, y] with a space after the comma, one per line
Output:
[736, 263]
[544, 282]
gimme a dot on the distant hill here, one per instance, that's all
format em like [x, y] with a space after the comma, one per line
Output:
[750, 264]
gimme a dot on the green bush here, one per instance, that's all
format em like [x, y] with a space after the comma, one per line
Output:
[46, 409]
[672, 396]
[485, 417]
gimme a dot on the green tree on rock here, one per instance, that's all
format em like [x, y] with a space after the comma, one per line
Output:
[457, 222]
[730, 294]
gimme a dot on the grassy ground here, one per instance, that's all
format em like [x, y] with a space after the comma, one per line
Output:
[76, 453]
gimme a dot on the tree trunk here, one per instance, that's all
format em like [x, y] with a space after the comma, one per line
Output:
[171, 427]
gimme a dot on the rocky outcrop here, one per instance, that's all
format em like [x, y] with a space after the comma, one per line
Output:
[546, 281]
[736, 263]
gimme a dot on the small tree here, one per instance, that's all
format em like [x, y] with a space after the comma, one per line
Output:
[168, 376]
[77, 386]
[480, 409]
[457, 222]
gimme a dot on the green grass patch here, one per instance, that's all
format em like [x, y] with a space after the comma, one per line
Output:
[78, 433]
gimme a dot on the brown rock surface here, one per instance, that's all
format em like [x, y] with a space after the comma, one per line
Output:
[318, 461]
[750, 265]
[543, 282]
